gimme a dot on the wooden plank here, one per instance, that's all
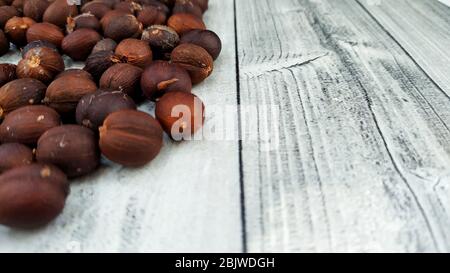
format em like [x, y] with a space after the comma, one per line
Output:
[188, 199]
[362, 162]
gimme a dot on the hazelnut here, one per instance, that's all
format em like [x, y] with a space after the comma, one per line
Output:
[99, 62]
[4, 43]
[58, 12]
[195, 60]
[204, 38]
[7, 73]
[13, 155]
[94, 108]
[187, 6]
[16, 29]
[161, 77]
[32, 195]
[6, 13]
[41, 63]
[64, 93]
[85, 20]
[151, 15]
[128, 7]
[130, 138]
[122, 27]
[122, 77]
[26, 124]
[75, 72]
[162, 40]
[96, 8]
[47, 32]
[35, 9]
[135, 52]
[21, 92]
[36, 44]
[180, 114]
[79, 44]
[105, 44]
[72, 148]
[184, 22]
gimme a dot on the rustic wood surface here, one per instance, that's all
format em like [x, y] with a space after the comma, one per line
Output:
[352, 146]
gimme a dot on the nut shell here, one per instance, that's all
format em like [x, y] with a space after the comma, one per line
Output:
[195, 60]
[184, 22]
[162, 40]
[41, 63]
[122, 77]
[151, 15]
[35, 9]
[105, 45]
[135, 52]
[58, 12]
[205, 39]
[187, 6]
[122, 27]
[46, 32]
[32, 196]
[7, 73]
[72, 148]
[38, 43]
[13, 155]
[6, 13]
[85, 20]
[20, 92]
[4, 43]
[76, 73]
[130, 138]
[79, 44]
[16, 29]
[99, 62]
[96, 8]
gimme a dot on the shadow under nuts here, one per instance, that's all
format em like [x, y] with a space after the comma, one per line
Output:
[26, 124]
[79, 44]
[72, 148]
[4, 43]
[13, 155]
[123, 77]
[20, 92]
[131, 138]
[195, 60]
[32, 196]
[41, 63]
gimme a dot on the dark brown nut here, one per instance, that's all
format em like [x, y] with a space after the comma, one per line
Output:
[97, 63]
[195, 60]
[96, 8]
[203, 4]
[75, 72]
[105, 45]
[130, 7]
[122, 27]
[204, 38]
[93, 109]
[20, 93]
[13, 155]
[41, 63]
[85, 20]
[7, 73]
[64, 93]
[161, 77]
[6, 13]
[46, 32]
[109, 3]
[162, 40]
[35, 9]
[79, 44]
[38, 43]
[58, 12]
[151, 15]
[4, 43]
[187, 6]
[18, 4]
[26, 124]
[184, 22]
[32, 196]
[130, 138]
[180, 114]
[72, 148]
[109, 16]
[162, 5]
[135, 52]
[123, 77]
[16, 30]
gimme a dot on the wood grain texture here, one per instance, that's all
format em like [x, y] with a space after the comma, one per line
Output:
[362, 161]
[187, 200]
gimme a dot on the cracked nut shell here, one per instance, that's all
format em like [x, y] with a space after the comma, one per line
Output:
[195, 60]
[20, 92]
[13, 155]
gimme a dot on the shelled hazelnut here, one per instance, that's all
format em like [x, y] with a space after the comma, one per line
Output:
[79, 44]
[123, 77]
[204, 38]
[135, 52]
[4, 43]
[185, 22]
[35, 9]
[20, 92]
[7, 73]
[41, 63]
[58, 12]
[13, 155]
[85, 20]
[195, 60]
[162, 40]
[46, 32]
[16, 30]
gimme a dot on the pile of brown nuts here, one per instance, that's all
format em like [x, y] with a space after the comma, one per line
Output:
[55, 123]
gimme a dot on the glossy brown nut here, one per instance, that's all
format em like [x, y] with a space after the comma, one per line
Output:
[72, 148]
[40, 63]
[130, 138]
[79, 44]
[20, 93]
[4, 43]
[187, 6]
[129, 7]
[122, 77]
[38, 43]
[151, 15]
[184, 22]
[58, 12]
[75, 72]
[109, 16]
[203, 4]
[96, 8]
[135, 52]
[161, 77]
[204, 38]
[85, 20]
[122, 27]
[16, 29]
[46, 32]
[93, 109]
[7, 73]
[35, 9]
[64, 93]
[97, 63]
[6, 13]
[105, 45]
[109, 3]
[18, 4]
[32, 196]
[13, 155]
[180, 114]
[195, 60]
[162, 40]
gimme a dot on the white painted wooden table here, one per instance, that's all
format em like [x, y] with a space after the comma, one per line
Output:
[353, 147]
